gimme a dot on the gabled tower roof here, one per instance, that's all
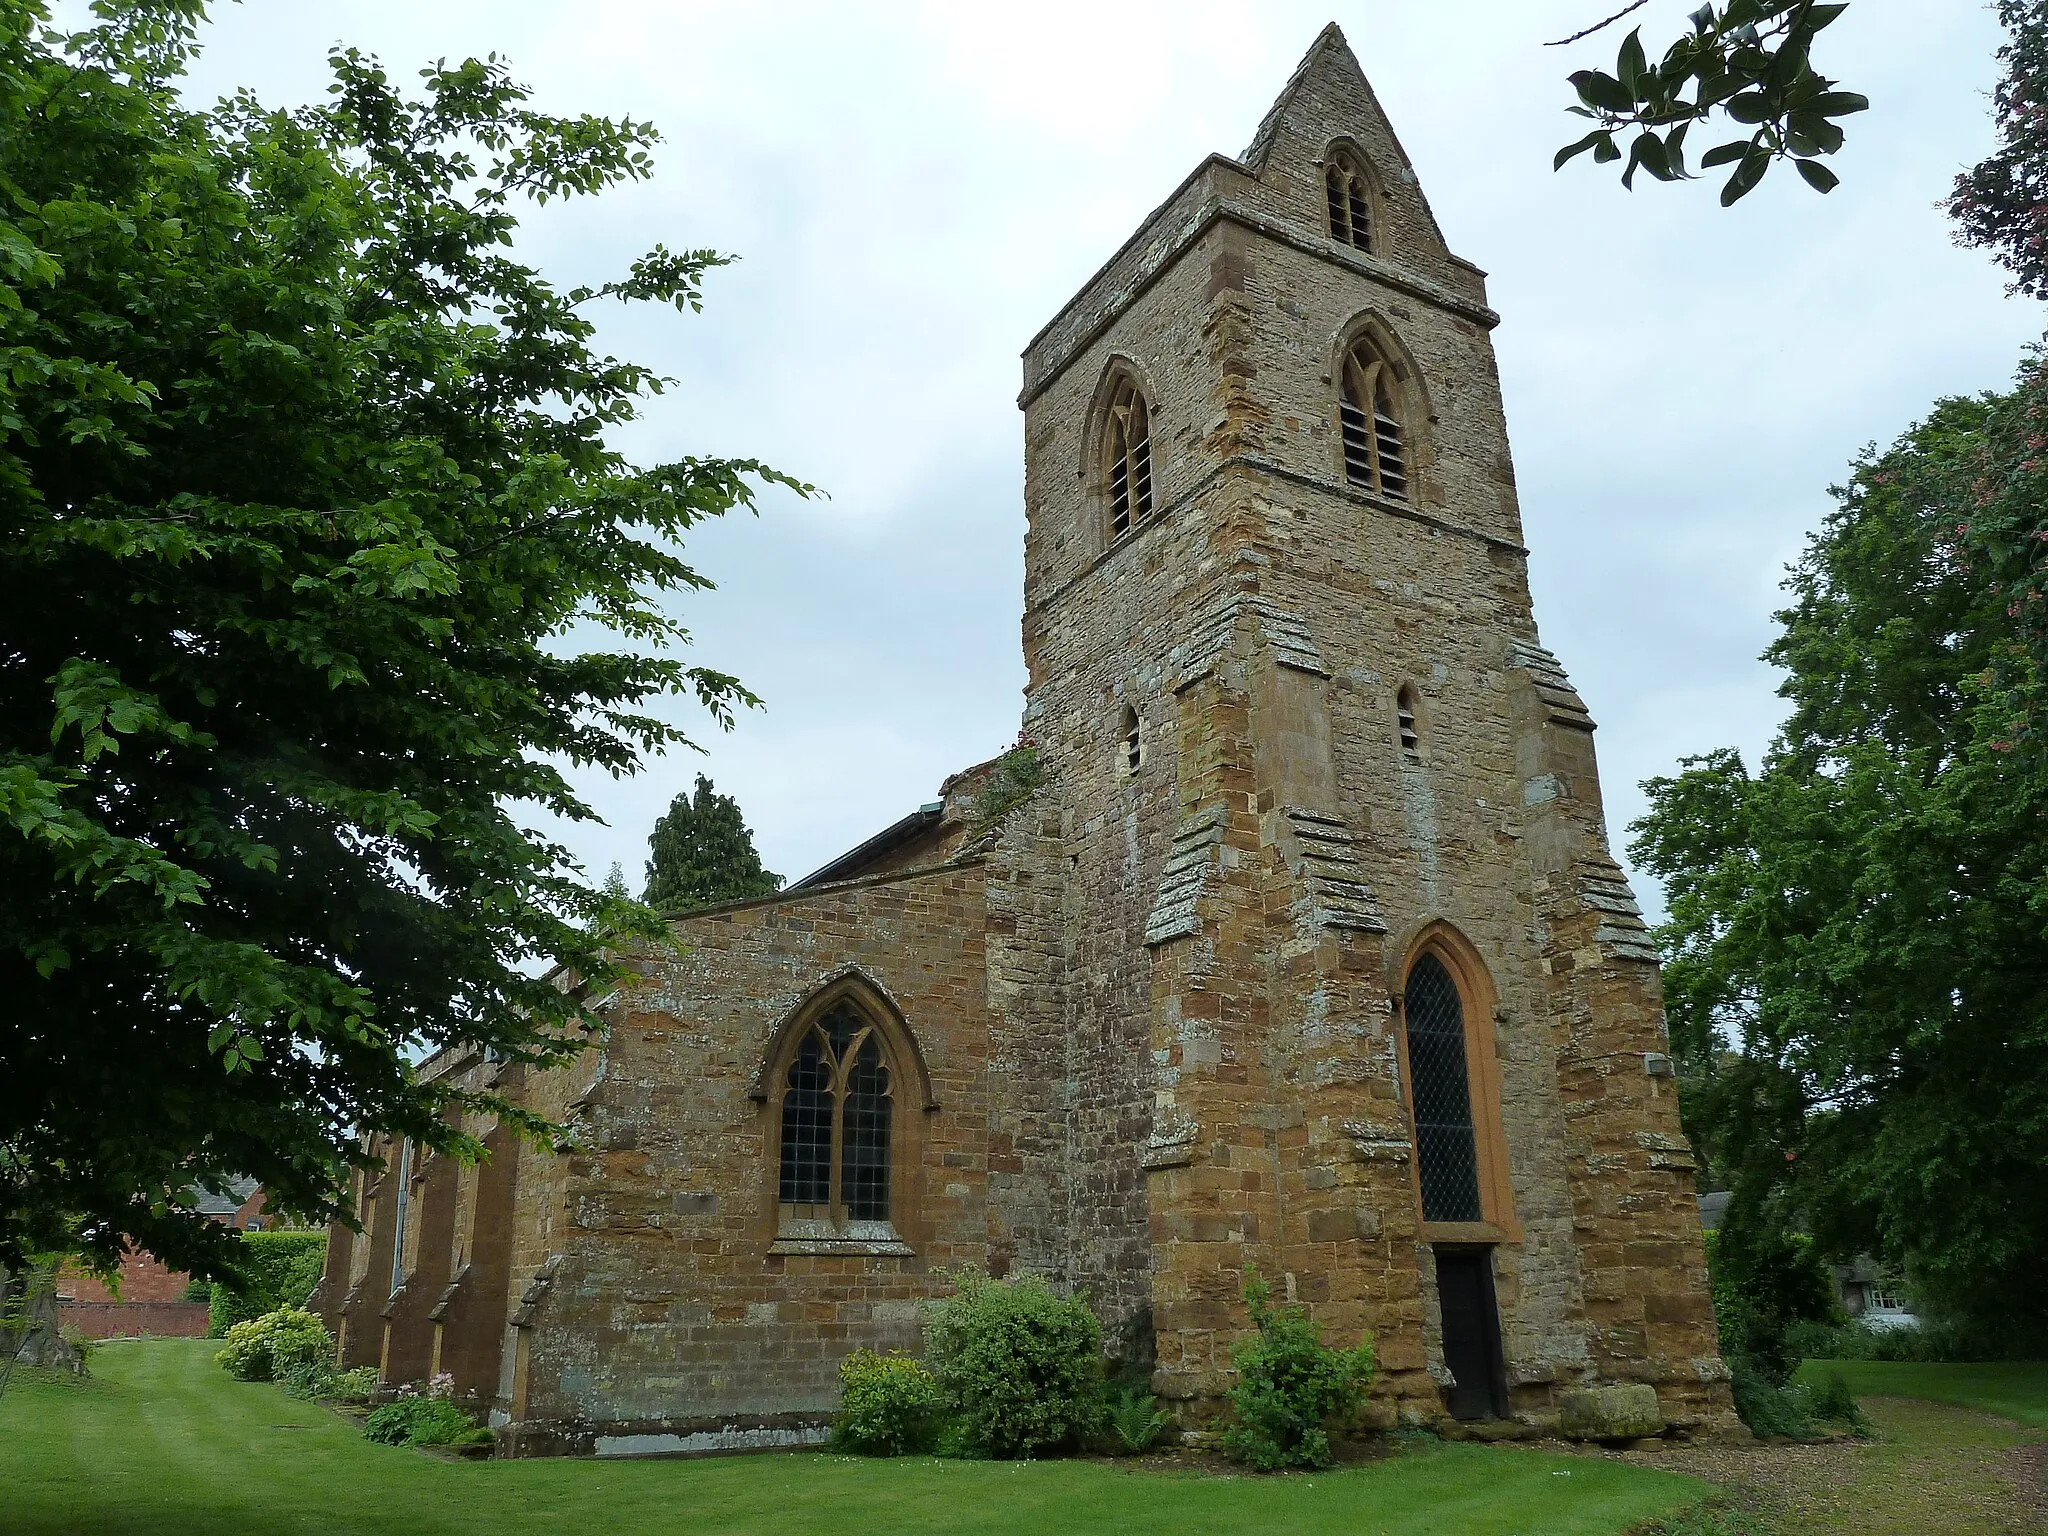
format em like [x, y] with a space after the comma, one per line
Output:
[1301, 117]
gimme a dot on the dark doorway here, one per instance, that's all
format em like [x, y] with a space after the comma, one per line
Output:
[1464, 1289]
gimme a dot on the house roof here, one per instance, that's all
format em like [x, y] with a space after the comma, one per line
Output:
[1712, 1208]
[227, 1199]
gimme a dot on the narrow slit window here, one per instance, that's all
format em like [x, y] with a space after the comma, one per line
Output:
[403, 1202]
[1440, 1091]
[1131, 745]
[1369, 422]
[836, 1112]
[1405, 725]
[1350, 202]
[1128, 449]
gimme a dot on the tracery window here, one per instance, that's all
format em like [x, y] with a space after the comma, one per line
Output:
[1128, 458]
[836, 1106]
[1440, 1090]
[1350, 202]
[1369, 417]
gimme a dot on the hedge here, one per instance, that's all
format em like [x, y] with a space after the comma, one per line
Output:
[278, 1269]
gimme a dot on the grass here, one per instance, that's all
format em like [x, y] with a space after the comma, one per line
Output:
[2016, 1390]
[165, 1442]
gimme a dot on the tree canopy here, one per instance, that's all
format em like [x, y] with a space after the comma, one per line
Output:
[310, 517]
[701, 852]
[1857, 948]
[1746, 62]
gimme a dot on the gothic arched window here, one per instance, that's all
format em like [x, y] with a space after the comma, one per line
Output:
[1440, 1090]
[836, 1107]
[1369, 417]
[1127, 458]
[1350, 201]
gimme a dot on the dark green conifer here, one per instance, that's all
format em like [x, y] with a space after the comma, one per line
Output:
[701, 853]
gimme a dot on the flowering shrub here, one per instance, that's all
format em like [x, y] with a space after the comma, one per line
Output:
[275, 1345]
[426, 1416]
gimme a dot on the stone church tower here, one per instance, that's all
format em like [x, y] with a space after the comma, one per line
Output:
[1307, 954]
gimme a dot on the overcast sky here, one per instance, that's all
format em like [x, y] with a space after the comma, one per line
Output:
[915, 189]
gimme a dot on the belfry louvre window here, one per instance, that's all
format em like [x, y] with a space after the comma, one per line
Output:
[1350, 203]
[836, 1106]
[1446, 1152]
[1128, 449]
[1369, 416]
[1404, 723]
[1131, 746]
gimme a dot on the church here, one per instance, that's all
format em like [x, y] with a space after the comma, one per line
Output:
[1288, 936]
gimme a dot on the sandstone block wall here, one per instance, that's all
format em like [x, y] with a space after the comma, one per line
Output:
[1156, 1011]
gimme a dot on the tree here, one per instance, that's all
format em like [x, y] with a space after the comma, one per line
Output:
[2001, 204]
[1865, 916]
[701, 852]
[1747, 61]
[307, 498]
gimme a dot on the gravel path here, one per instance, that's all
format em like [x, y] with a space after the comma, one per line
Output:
[1935, 1469]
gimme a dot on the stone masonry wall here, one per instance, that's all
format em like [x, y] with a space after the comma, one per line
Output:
[672, 1309]
[1235, 327]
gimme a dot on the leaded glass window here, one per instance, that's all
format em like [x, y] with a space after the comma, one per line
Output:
[1440, 1088]
[1369, 418]
[835, 1122]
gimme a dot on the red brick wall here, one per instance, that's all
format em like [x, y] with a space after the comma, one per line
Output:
[135, 1319]
[143, 1278]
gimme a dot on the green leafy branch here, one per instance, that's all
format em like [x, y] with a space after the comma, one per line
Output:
[1747, 60]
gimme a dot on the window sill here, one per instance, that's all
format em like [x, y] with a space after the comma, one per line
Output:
[872, 1239]
[1468, 1232]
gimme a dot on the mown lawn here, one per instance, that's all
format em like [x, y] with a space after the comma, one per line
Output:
[163, 1442]
[2016, 1390]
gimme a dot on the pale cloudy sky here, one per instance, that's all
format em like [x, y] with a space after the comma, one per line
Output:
[914, 189]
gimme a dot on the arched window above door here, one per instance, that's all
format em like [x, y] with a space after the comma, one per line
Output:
[1451, 1084]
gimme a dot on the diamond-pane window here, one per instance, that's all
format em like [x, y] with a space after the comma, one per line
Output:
[835, 1122]
[864, 1161]
[1446, 1152]
[807, 1127]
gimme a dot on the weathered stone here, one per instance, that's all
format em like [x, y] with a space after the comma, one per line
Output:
[1145, 1026]
[1624, 1411]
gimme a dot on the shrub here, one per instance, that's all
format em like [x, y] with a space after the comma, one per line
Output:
[1290, 1385]
[1013, 778]
[1134, 1421]
[354, 1386]
[424, 1416]
[889, 1405]
[1833, 1401]
[276, 1344]
[275, 1269]
[1770, 1409]
[1019, 1365]
[1932, 1339]
[307, 1381]
[1767, 1280]
[422, 1420]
